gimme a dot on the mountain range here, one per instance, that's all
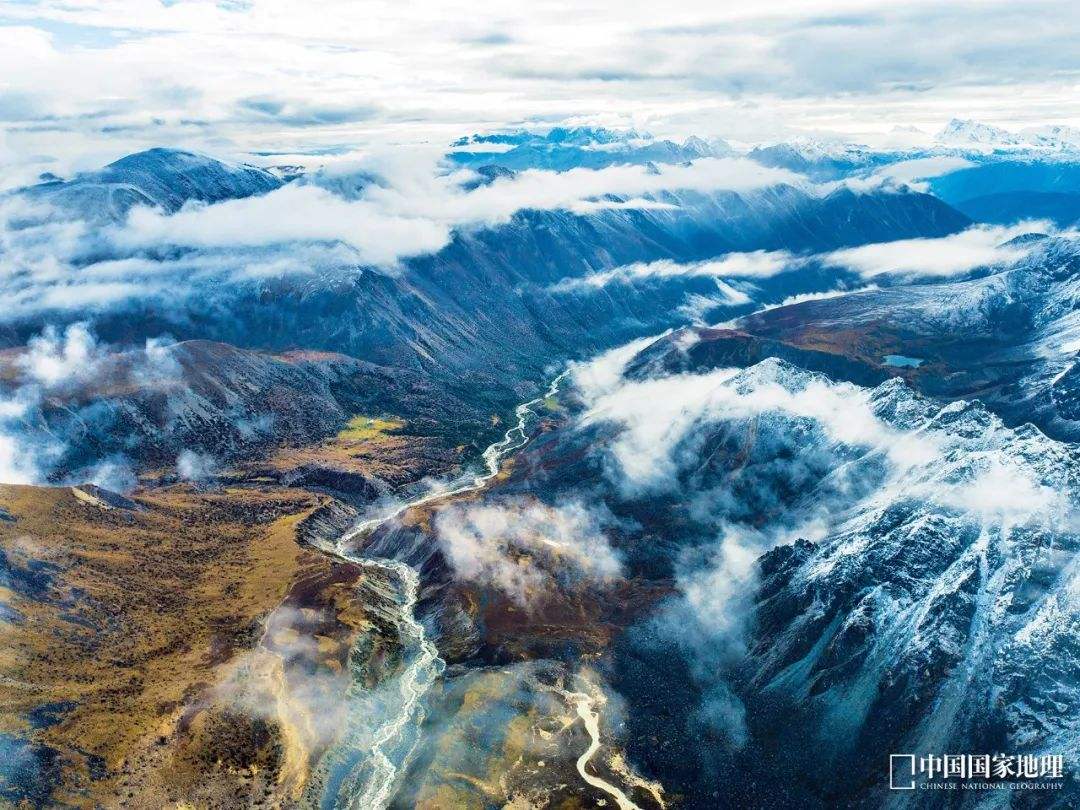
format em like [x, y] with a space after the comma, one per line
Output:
[578, 468]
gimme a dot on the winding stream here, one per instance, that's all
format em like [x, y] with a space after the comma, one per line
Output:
[588, 705]
[364, 767]
[513, 440]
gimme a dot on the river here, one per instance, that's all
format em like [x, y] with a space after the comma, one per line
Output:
[364, 767]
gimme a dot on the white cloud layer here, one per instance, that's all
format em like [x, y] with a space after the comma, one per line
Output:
[290, 214]
[817, 296]
[415, 207]
[97, 79]
[372, 211]
[755, 264]
[656, 417]
[57, 362]
[602, 374]
[977, 246]
[910, 172]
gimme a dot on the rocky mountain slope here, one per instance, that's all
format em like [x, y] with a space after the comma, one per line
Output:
[915, 559]
[161, 178]
[468, 329]
[1004, 334]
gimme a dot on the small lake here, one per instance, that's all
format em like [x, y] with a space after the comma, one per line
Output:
[900, 361]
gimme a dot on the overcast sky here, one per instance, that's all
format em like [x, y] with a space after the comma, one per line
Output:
[82, 81]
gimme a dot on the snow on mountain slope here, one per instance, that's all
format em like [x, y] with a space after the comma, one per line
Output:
[824, 161]
[917, 560]
[962, 134]
[1005, 333]
[912, 625]
[163, 178]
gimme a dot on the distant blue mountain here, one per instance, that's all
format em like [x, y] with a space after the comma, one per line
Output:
[998, 186]
[580, 147]
[1061, 209]
[1010, 190]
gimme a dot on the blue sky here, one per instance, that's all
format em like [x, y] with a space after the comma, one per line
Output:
[82, 81]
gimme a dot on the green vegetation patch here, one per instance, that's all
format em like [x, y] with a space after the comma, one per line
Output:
[367, 428]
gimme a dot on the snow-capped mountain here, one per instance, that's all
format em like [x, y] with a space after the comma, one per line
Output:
[966, 134]
[1054, 137]
[161, 178]
[963, 133]
[920, 620]
[824, 160]
[913, 557]
[990, 174]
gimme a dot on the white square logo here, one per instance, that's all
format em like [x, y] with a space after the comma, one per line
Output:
[897, 772]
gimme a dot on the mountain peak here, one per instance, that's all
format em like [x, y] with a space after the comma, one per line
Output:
[162, 177]
[965, 132]
[700, 147]
[159, 159]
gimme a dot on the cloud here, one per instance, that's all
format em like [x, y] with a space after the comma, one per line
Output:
[708, 621]
[499, 200]
[603, 373]
[294, 213]
[104, 77]
[57, 360]
[300, 113]
[53, 360]
[796, 434]
[696, 306]
[415, 205]
[50, 263]
[755, 264]
[42, 262]
[1001, 492]
[962, 252]
[63, 370]
[817, 296]
[286, 680]
[194, 466]
[909, 172]
[115, 472]
[633, 204]
[23, 457]
[524, 548]
[660, 422]
[20, 460]
[375, 210]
